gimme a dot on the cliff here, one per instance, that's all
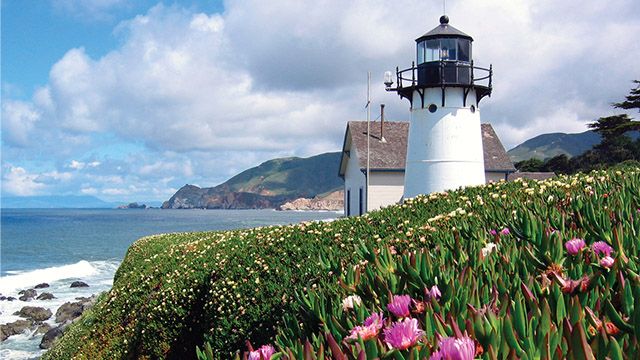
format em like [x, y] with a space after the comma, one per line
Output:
[331, 202]
[266, 186]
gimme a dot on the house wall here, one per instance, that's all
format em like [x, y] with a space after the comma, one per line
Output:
[494, 176]
[354, 180]
[386, 188]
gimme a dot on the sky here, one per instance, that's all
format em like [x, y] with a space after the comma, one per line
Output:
[128, 100]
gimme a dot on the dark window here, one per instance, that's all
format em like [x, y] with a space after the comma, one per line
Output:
[433, 50]
[433, 108]
[464, 50]
[448, 49]
[361, 202]
[348, 202]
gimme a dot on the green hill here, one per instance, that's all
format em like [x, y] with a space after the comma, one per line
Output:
[526, 296]
[549, 145]
[267, 185]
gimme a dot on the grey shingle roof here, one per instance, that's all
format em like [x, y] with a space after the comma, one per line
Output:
[392, 153]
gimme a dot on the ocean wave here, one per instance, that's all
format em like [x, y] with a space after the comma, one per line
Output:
[81, 270]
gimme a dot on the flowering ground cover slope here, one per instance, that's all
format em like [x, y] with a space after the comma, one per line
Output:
[435, 273]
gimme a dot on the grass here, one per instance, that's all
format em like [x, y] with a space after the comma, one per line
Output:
[174, 291]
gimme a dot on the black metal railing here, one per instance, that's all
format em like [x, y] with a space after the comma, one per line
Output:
[443, 73]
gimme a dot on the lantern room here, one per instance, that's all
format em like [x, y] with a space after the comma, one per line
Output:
[444, 56]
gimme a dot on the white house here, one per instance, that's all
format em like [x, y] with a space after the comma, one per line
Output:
[388, 151]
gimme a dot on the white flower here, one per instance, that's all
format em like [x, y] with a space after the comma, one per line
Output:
[350, 301]
[488, 249]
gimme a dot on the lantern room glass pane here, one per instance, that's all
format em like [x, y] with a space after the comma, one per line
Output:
[421, 46]
[433, 50]
[464, 50]
[448, 49]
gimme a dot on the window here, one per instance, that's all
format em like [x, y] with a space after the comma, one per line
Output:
[433, 50]
[349, 202]
[448, 49]
[361, 202]
[421, 46]
[464, 50]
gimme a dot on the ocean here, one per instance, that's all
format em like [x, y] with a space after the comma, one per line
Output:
[59, 246]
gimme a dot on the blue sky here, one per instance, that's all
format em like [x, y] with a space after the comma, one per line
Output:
[129, 100]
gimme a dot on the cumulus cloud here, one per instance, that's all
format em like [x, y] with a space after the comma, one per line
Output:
[208, 95]
[17, 181]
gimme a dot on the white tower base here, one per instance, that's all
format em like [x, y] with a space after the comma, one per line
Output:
[444, 147]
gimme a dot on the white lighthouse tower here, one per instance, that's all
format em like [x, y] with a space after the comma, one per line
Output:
[444, 88]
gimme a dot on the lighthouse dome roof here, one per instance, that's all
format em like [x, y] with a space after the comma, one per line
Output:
[444, 30]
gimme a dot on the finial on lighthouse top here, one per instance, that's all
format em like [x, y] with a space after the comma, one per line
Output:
[444, 19]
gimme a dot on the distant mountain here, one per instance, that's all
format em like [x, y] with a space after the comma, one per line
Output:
[549, 145]
[54, 201]
[268, 185]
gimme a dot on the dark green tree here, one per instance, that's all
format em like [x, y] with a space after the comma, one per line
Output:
[531, 165]
[632, 100]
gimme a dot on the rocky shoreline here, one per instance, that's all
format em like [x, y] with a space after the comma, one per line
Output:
[36, 320]
[331, 202]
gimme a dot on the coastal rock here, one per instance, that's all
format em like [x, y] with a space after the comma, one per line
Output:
[331, 202]
[76, 284]
[34, 313]
[14, 328]
[45, 296]
[41, 286]
[42, 329]
[69, 311]
[27, 294]
[52, 335]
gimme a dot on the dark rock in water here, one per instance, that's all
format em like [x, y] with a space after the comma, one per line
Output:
[45, 296]
[11, 298]
[42, 329]
[14, 328]
[41, 286]
[34, 313]
[2, 297]
[76, 284]
[27, 294]
[52, 335]
[69, 311]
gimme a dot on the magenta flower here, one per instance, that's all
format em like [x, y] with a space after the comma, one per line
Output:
[264, 353]
[399, 305]
[574, 246]
[606, 262]
[370, 328]
[435, 293]
[455, 349]
[505, 231]
[601, 247]
[403, 334]
[493, 232]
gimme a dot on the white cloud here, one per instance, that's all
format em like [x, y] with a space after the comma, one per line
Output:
[17, 181]
[89, 10]
[18, 121]
[208, 95]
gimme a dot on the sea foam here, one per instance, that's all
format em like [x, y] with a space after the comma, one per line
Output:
[21, 280]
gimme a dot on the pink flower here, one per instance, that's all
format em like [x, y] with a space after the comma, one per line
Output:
[369, 330]
[601, 247]
[505, 231]
[574, 246]
[493, 232]
[264, 353]
[607, 262]
[399, 305]
[435, 293]
[455, 349]
[403, 334]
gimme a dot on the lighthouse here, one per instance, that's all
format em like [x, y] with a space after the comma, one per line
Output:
[444, 88]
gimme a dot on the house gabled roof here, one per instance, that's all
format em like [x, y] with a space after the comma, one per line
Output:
[391, 154]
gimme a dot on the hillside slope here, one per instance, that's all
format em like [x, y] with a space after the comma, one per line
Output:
[171, 290]
[268, 185]
[549, 145]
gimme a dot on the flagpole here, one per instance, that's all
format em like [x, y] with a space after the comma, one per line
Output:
[368, 135]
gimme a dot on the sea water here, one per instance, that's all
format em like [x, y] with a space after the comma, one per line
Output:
[59, 246]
